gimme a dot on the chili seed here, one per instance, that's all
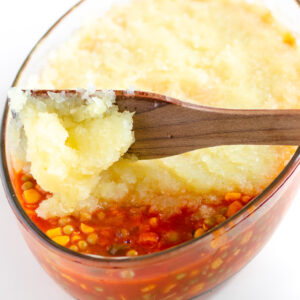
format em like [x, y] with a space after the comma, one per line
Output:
[26, 178]
[68, 229]
[73, 248]
[92, 238]
[198, 232]
[27, 185]
[64, 221]
[223, 210]
[31, 196]
[132, 252]
[210, 221]
[220, 219]
[82, 245]
[172, 236]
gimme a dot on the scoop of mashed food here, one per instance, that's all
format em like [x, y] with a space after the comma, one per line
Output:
[224, 53]
[68, 141]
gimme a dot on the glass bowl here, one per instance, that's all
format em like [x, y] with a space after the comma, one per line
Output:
[181, 272]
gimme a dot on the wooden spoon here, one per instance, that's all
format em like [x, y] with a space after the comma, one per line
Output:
[165, 126]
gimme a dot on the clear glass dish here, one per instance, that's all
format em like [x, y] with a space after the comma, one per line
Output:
[181, 272]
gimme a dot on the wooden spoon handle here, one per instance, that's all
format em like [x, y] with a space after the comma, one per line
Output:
[166, 126]
[164, 129]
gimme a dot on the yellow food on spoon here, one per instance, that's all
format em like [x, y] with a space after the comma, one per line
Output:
[69, 142]
[224, 53]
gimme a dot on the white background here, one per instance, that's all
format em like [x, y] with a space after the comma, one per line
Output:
[273, 274]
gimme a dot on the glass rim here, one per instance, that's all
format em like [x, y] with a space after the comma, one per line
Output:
[22, 216]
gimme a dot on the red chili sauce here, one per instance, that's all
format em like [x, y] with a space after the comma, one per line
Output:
[124, 231]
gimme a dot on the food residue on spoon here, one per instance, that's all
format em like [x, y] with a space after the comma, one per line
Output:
[69, 141]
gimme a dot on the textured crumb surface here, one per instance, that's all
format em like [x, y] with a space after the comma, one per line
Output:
[223, 53]
[68, 141]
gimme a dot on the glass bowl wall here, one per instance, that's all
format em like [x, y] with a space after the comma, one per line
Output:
[178, 273]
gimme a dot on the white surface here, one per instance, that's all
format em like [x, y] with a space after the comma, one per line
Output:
[273, 274]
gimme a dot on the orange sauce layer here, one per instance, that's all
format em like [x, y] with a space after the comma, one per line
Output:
[124, 231]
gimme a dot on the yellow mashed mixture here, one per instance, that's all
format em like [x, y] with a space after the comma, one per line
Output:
[224, 53]
[69, 141]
